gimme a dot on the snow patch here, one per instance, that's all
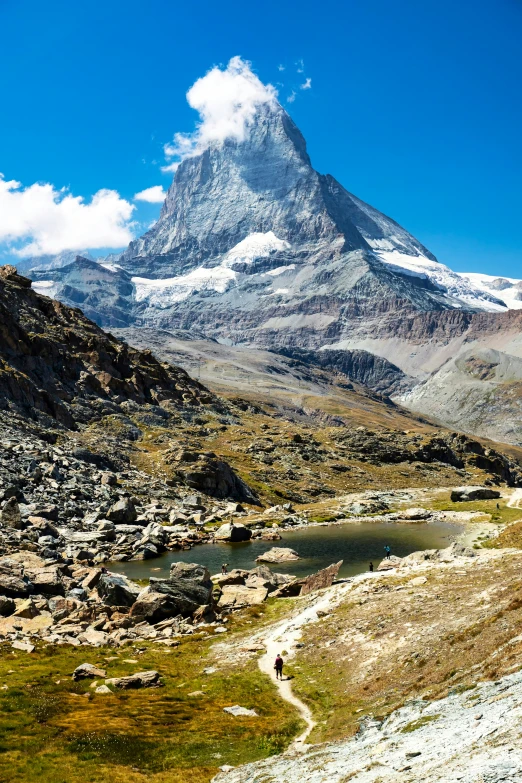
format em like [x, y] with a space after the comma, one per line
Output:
[443, 277]
[162, 293]
[257, 245]
[505, 288]
[45, 288]
[280, 270]
[111, 267]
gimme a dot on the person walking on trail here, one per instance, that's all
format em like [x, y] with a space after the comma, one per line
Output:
[387, 552]
[278, 666]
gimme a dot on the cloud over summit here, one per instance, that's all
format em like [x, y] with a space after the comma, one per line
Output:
[227, 101]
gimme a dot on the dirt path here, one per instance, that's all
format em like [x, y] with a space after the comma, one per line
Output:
[515, 499]
[283, 639]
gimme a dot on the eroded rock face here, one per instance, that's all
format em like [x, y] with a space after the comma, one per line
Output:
[10, 514]
[321, 579]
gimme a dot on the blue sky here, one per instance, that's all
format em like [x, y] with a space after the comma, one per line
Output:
[414, 107]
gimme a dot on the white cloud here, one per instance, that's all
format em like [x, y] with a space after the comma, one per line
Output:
[300, 66]
[291, 98]
[307, 84]
[49, 220]
[153, 195]
[280, 67]
[227, 101]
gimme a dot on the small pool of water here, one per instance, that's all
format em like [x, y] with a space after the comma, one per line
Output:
[318, 547]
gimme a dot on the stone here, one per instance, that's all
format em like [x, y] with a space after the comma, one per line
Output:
[7, 606]
[122, 512]
[236, 596]
[47, 580]
[235, 533]
[102, 689]
[27, 609]
[322, 579]
[92, 578]
[10, 514]
[117, 590]
[240, 712]
[88, 671]
[149, 679]
[278, 555]
[418, 581]
[465, 494]
[235, 577]
[185, 595]
[94, 638]
[415, 514]
[23, 646]
[389, 563]
[153, 606]
[108, 479]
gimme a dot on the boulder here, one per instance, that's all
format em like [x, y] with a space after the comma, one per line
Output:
[262, 576]
[153, 606]
[13, 583]
[235, 533]
[185, 595]
[150, 679]
[240, 712]
[389, 562]
[235, 577]
[415, 514]
[323, 578]
[27, 609]
[278, 554]
[43, 526]
[122, 512]
[464, 494]
[88, 671]
[94, 638]
[117, 590]
[236, 596]
[10, 515]
[47, 580]
[7, 606]
[192, 571]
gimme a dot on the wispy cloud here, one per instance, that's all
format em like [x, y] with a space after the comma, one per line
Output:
[300, 66]
[280, 67]
[307, 84]
[153, 195]
[291, 98]
[227, 100]
[41, 219]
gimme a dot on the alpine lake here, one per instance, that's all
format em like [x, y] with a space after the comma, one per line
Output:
[318, 546]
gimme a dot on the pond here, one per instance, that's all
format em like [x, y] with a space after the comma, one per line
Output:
[317, 546]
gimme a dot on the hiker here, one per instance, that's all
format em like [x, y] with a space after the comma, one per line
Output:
[224, 568]
[278, 666]
[370, 568]
[387, 552]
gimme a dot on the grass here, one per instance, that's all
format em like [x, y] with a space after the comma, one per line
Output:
[56, 731]
[380, 647]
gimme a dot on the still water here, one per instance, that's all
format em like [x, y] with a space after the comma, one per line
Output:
[318, 547]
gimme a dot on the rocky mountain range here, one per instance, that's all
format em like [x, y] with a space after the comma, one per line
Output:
[254, 247]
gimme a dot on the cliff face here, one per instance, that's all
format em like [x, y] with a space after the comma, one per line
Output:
[56, 363]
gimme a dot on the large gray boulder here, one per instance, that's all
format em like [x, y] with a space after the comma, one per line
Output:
[13, 582]
[117, 590]
[122, 512]
[154, 606]
[188, 587]
[463, 494]
[235, 533]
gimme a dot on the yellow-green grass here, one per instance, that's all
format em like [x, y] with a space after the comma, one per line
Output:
[399, 641]
[56, 731]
